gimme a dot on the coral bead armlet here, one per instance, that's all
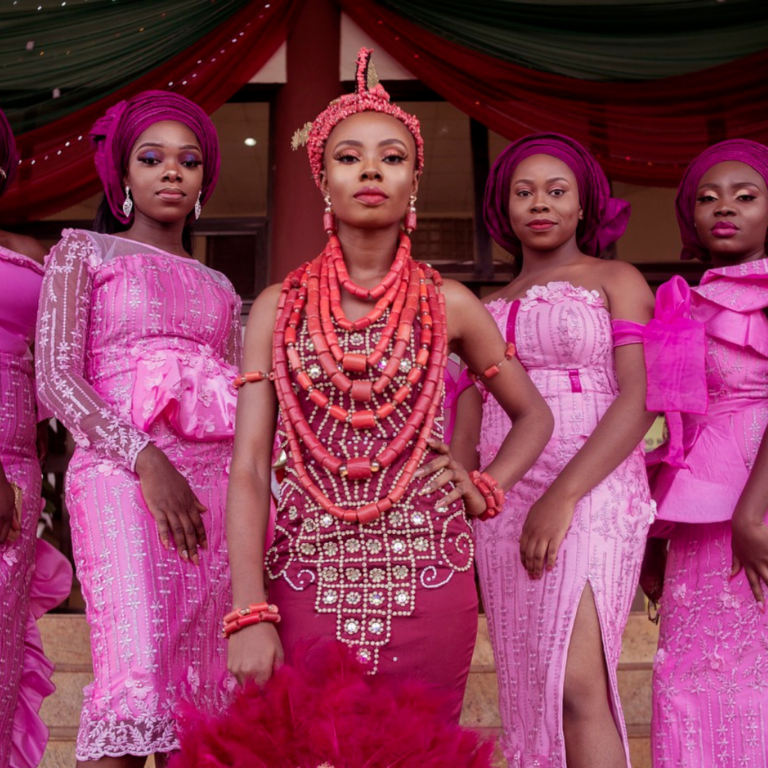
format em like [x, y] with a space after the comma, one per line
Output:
[253, 614]
[491, 492]
[253, 376]
[492, 370]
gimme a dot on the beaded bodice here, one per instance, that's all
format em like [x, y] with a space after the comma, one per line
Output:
[368, 574]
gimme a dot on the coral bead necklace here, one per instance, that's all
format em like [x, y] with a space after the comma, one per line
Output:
[409, 291]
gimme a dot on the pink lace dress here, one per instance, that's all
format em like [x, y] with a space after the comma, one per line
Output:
[135, 344]
[400, 591]
[710, 686]
[564, 340]
[34, 577]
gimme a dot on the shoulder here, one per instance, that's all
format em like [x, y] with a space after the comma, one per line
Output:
[628, 292]
[264, 308]
[457, 293]
[26, 246]
[612, 271]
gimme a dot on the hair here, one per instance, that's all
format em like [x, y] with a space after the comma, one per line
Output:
[106, 223]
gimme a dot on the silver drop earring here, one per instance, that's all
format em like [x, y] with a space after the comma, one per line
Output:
[128, 203]
[198, 205]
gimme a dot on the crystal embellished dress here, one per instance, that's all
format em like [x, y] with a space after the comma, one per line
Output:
[710, 682]
[564, 340]
[400, 591]
[34, 577]
[137, 345]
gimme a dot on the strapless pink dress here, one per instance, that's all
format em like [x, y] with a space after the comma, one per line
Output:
[564, 340]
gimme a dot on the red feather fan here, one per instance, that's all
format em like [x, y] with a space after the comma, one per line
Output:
[325, 712]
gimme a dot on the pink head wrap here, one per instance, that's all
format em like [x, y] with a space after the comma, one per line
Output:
[742, 150]
[115, 134]
[9, 157]
[605, 217]
[369, 96]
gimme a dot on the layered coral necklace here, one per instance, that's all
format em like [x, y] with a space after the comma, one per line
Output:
[409, 290]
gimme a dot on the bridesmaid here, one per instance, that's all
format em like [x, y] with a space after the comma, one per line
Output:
[559, 566]
[137, 345]
[710, 686]
[34, 577]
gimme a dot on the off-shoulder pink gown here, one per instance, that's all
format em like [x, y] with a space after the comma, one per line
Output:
[710, 685]
[137, 345]
[564, 340]
[34, 577]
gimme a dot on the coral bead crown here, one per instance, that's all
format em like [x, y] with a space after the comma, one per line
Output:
[369, 96]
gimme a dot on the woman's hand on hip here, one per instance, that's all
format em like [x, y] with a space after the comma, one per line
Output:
[749, 541]
[445, 469]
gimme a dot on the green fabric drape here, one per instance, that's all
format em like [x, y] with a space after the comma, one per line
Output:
[59, 59]
[599, 39]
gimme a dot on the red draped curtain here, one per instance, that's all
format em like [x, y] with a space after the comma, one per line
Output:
[57, 167]
[643, 132]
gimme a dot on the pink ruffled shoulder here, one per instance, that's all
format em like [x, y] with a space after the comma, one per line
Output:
[727, 302]
[20, 260]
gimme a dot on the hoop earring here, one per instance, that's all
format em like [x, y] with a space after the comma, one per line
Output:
[128, 203]
[198, 205]
[410, 216]
[329, 220]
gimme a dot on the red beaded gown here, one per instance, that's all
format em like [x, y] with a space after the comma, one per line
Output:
[399, 590]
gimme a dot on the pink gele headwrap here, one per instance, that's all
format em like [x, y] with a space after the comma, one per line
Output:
[605, 217]
[9, 156]
[750, 153]
[369, 96]
[115, 134]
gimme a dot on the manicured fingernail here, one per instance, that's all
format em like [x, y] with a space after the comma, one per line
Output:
[195, 558]
[185, 554]
[204, 543]
[761, 606]
[164, 542]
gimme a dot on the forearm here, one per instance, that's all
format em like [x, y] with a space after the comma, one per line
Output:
[617, 434]
[522, 446]
[466, 430]
[753, 502]
[248, 506]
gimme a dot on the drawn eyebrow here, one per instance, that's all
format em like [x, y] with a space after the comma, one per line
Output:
[161, 146]
[355, 143]
[715, 185]
[549, 181]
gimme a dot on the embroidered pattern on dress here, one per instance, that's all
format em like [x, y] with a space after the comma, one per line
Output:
[366, 575]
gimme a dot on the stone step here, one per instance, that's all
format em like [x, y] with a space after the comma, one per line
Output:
[66, 641]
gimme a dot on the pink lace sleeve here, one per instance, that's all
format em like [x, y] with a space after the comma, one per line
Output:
[234, 351]
[62, 333]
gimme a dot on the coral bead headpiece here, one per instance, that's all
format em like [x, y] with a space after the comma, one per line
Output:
[369, 96]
